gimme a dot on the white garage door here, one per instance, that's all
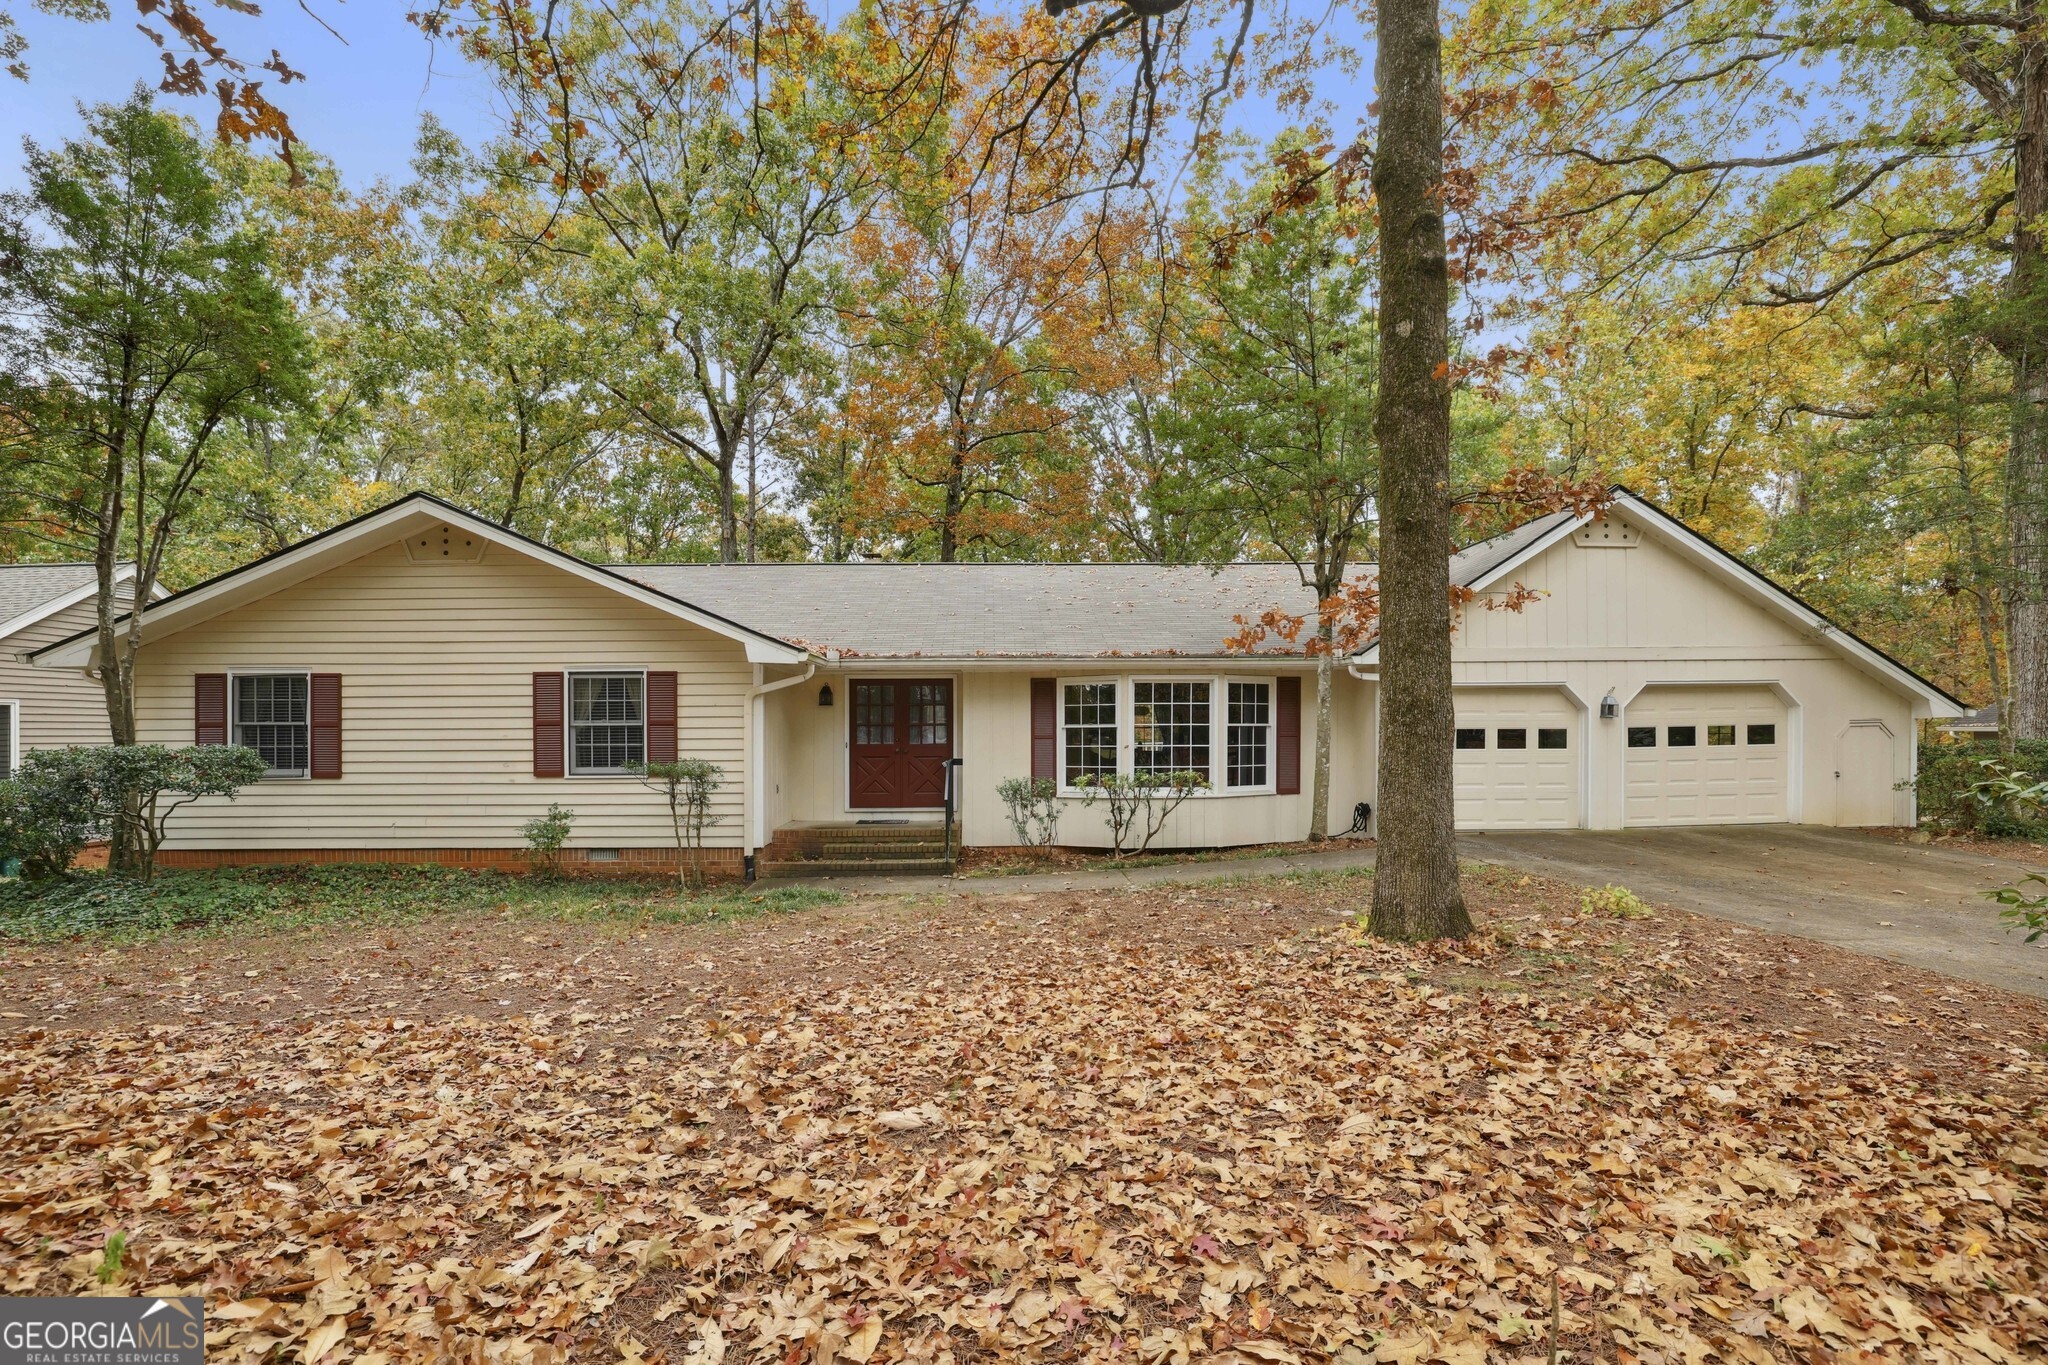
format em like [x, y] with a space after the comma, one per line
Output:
[1517, 758]
[1705, 756]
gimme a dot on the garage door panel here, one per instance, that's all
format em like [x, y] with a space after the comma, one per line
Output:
[1705, 755]
[1517, 761]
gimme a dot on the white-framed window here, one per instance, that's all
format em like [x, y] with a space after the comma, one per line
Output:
[1089, 729]
[1221, 727]
[271, 712]
[1172, 728]
[1248, 734]
[607, 722]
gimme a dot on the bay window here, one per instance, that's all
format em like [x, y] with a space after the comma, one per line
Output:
[1220, 728]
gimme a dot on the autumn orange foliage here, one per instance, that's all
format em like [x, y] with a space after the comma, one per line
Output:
[1348, 621]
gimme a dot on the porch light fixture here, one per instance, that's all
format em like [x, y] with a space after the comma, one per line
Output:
[1609, 707]
[825, 695]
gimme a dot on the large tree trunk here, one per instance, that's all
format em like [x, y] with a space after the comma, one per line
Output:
[1415, 891]
[2024, 339]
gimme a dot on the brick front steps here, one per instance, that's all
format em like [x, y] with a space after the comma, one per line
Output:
[852, 850]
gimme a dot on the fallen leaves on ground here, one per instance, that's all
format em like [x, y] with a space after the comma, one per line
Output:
[1293, 1150]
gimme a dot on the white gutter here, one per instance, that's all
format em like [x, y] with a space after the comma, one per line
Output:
[757, 752]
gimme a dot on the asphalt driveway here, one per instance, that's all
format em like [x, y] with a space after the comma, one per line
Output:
[1913, 903]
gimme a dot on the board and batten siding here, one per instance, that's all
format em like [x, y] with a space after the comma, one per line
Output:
[59, 707]
[807, 755]
[436, 663]
[1645, 616]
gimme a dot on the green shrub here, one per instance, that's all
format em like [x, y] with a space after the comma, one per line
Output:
[1613, 902]
[1033, 805]
[2024, 909]
[1964, 789]
[545, 836]
[689, 785]
[124, 793]
[1139, 803]
[46, 817]
[1969, 788]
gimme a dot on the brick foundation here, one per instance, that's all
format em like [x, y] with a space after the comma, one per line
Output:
[720, 864]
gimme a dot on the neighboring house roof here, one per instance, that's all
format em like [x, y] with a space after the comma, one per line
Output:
[991, 611]
[35, 592]
[1982, 721]
[382, 526]
[1493, 561]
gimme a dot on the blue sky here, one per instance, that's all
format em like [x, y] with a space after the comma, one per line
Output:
[359, 105]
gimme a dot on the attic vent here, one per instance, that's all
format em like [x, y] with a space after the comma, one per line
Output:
[444, 545]
[1610, 535]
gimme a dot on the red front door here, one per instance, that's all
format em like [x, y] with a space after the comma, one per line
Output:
[902, 735]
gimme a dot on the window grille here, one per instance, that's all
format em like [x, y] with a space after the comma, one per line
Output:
[272, 717]
[607, 722]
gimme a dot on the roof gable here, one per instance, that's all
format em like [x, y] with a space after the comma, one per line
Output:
[408, 516]
[35, 592]
[1494, 562]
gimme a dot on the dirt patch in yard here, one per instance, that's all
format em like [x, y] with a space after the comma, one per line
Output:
[1172, 1121]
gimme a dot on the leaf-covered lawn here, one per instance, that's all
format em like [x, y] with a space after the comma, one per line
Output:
[1160, 1125]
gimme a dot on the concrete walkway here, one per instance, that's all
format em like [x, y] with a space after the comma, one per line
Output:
[1091, 879]
[1919, 904]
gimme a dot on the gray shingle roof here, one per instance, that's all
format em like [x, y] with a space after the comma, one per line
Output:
[24, 587]
[987, 610]
[965, 611]
[1474, 562]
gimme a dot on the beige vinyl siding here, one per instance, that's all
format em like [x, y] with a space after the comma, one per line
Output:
[437, 661]
[59, 707]
[807, 750]
[1639, 619]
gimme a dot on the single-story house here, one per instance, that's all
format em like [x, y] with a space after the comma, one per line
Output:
[1979, 726]
[43, 708]
[424, 681]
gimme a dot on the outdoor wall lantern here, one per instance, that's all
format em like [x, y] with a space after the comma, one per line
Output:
[1609, 707]
[825, 695]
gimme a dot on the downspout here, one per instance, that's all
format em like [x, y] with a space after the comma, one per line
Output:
[757, 758]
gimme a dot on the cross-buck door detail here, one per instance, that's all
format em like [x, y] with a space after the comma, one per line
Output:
[901, 736]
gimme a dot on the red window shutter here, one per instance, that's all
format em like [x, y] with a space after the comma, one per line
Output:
[209, 708]
[324, 693]
[1287, 736]
[548, 739]
[1045, 729]
[661, 717]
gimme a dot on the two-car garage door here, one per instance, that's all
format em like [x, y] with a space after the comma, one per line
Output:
[1693, 755]
[1704, 756]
